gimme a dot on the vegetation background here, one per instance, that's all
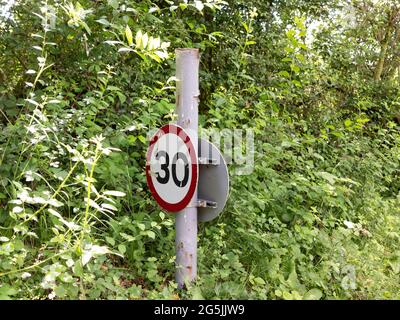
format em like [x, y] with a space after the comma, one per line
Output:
[81, 83]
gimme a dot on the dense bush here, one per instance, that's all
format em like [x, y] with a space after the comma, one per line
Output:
[82, 84]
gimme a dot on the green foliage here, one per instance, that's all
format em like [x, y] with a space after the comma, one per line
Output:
[81, 85]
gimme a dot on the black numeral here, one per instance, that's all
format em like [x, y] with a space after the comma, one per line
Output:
[185, 179]
[165, 168]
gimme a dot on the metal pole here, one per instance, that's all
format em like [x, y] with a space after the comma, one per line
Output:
[187, 100]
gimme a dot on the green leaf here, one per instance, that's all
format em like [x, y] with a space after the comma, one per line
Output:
[122, 248]
[142, 139]
[151, 234]
[313, 294]
[290, 33]
[287, 296]
[296, 83]
[348, 122]
[103, 22]
[327, 176]
[145, 40]
[125, 50]
[129, 36]
[114, 193]
[300, 57]
[295, 68]
[6, 291]
[197, 294]
[109, 206]
[32, 102]
[110, 240]
[93, 251]
[259, 281]
[122, 97]
[138, 39]
[60, 291]
[245, 26]
[183, 6]
[86, 27]
[284, 74]
[249, 43]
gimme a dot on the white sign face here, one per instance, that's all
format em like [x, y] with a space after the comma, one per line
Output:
[172, 168]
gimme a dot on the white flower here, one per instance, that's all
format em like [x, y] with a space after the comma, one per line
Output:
[55, 164]
[348, 224]
[29, 176]
[31, 129]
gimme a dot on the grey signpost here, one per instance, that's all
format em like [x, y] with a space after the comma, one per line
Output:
[202, 192]
[187, 100]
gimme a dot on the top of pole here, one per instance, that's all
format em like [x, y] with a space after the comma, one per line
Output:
[191, 51]
[187, 49]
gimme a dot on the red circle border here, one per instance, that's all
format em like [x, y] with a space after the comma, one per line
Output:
[181, 133]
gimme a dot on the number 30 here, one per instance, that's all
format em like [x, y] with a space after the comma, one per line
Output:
[165, 167]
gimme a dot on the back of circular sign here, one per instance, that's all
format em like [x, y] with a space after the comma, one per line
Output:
[213, 183]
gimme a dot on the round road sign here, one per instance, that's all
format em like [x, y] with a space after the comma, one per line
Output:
[172, 168]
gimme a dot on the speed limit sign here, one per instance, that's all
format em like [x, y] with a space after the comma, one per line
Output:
[172, 168]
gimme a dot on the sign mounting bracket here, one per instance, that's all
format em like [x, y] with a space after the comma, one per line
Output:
[208, 161]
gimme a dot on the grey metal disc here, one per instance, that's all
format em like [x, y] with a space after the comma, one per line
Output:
[213, 183]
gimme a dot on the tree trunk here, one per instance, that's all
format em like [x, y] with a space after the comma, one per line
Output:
[383, 54]
[391, 21]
